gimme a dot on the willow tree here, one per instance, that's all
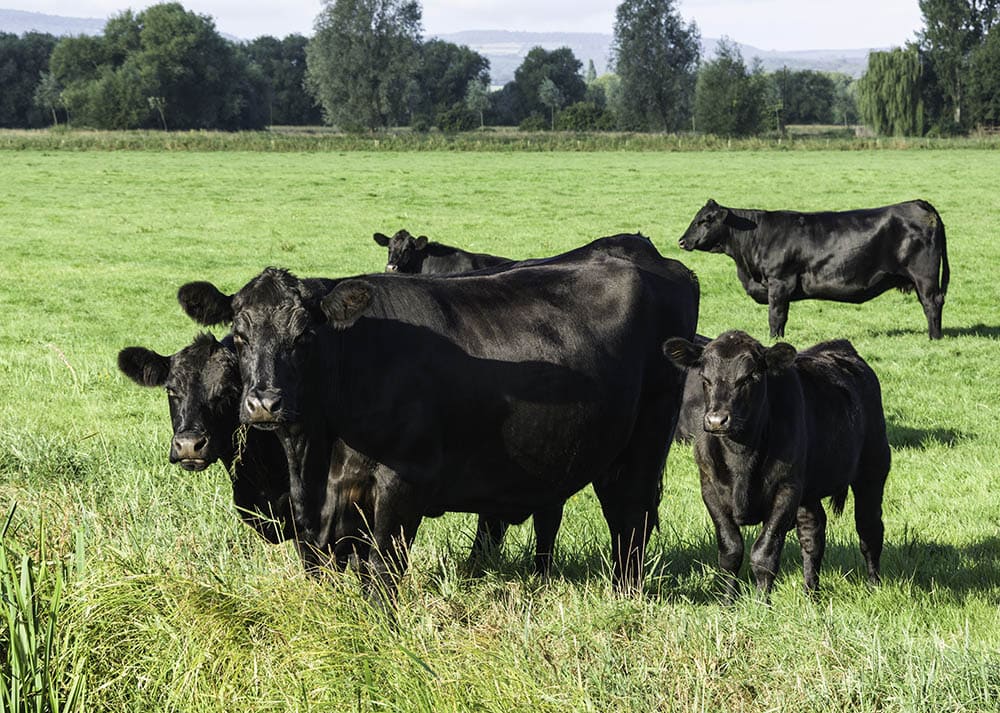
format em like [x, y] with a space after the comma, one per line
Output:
[889, 93]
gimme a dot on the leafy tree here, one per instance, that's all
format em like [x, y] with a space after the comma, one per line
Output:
[656, 56]
[730, 99]
[889, 93]
[22, 62]
[48, 96]
[591, 72]
[952, 30]
[845, 104]
[359, 62]
[806, 97]
[984, 81]
[283, 66]
[551, 97]
[445, 72]
[163, 66]
[560, 66]
[477, 99]
[584, 116]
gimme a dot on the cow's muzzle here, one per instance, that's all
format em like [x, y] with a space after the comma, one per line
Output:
[262, 409]
[190, 450]
[685, 245]
[391, 268]
[718, 422]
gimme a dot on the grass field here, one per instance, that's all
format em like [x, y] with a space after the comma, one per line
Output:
[171, 604]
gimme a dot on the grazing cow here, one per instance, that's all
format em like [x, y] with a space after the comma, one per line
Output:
[500, 393]
[412, 255]
[851, 256]
[781, 431]
[203, 387]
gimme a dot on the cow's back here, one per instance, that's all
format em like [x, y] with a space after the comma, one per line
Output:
[521, 385]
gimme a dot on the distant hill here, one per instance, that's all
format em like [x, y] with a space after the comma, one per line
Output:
[505, 50]
[17, 22]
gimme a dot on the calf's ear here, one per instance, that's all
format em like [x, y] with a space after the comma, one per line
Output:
[681, 352]
[779, 357]
[420, 243]
[205, 304]
[144, 366]
[346, 303]
[382, 239]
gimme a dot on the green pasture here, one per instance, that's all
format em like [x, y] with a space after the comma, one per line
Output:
[169, 603]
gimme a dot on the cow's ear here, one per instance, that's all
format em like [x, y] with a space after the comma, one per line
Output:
[711, 203]
[144, 366]
[420, 243]
[681, 352]
[779, 357]
[382, 239]
[731, 220]
[205, 304]
[346, 303]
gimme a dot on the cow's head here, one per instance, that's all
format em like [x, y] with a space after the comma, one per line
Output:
[202, 381]
[733, 370]
[275, 317]
[406, 253]
[710, 228]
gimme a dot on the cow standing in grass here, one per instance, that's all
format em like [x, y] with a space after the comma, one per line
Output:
[413, 256]
[850, 256]
[500, 393]
[781, 431]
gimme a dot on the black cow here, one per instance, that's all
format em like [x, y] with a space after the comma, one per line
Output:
[409, 255]
[204, 391]
[850, 256]
[501, 393]
[781, 431]
[412, 255]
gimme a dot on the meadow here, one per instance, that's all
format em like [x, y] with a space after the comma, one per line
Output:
[160, 599]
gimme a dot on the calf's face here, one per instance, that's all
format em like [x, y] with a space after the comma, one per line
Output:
[406, 253]
[733, 370]
[202, 382]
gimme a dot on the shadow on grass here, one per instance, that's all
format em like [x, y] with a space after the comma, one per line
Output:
[901, 436]
[689, 573]
[980, 330]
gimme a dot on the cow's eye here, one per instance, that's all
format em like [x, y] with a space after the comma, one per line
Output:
[171, 393]
[238, 339]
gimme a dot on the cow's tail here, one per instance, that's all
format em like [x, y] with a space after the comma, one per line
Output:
[945, 270]
[837, 501]
[941, 244]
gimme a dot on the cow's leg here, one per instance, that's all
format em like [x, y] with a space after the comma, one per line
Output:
[629, 492]
[868, 521]
[765, 555]
[778, 294]
[728, 537]
[932, 301]
[489, 537]
[397, 517]
[546, 524]
[810, 526]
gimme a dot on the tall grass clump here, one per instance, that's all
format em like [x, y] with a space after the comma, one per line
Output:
[41, 668]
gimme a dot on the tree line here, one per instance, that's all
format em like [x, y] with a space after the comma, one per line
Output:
[368, 68]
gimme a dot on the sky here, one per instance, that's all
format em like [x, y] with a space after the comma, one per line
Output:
[765, 24]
